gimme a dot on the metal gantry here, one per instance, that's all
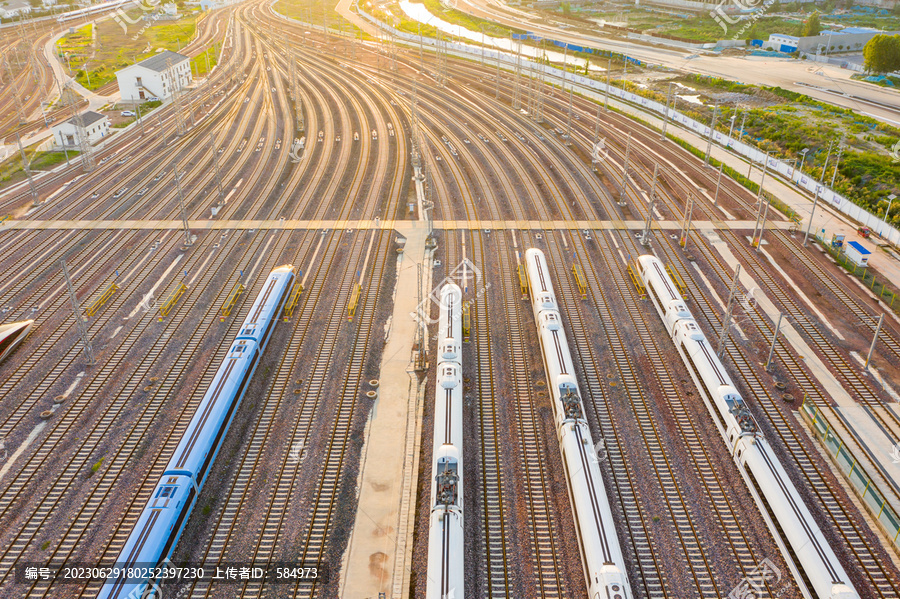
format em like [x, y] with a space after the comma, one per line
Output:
[79, 319]
[726, 322]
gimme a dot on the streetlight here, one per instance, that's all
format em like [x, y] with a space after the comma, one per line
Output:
[731, 129]
[803, 151]
[891, 199]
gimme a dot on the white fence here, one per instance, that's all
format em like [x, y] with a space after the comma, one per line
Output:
[826, 194]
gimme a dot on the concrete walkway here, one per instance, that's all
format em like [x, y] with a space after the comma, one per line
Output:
[825, 217]
[378, 557]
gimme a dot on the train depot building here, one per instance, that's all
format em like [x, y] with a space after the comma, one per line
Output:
[96, 126]
[159, 76]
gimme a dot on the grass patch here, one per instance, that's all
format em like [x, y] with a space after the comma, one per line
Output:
[310, 11]
[45, 160]
[44, 545]
[457, 17]
[11, 170]
[204, 62]
[94, 62]
[96, 467]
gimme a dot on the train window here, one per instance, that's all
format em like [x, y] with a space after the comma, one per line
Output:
[167, 491]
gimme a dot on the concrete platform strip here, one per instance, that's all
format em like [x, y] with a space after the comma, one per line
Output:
[201, 225]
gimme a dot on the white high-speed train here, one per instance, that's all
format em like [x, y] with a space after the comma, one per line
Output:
[604, 566]
[445, 534]
[11, 335]
[805, 549]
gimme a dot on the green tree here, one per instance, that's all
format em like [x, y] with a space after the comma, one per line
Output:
[811, 26]
[882, 54]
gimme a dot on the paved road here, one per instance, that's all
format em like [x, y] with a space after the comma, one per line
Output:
[796, 75]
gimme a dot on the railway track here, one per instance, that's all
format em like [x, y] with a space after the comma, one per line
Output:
[495, 580]
[530, 433]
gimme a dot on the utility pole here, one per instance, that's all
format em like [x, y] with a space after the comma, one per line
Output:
[762, 229]
[79, 320]
[481, 26]
[569, 120]
[415, 150]
[763, 179]
[608, 72]
[539, 89]
[625, 173]
[516, 100]
[497, 86]
[726, 324]
[809, 224]
[712, 132]
[686, 227]
[140, 121]
[838, 163]
[662, 136]
[596, 140]
[184, 219]
[176, 97]
[12, 83]
[874, 339]
[645, 236]
[718, 184]
[743, 122]
[87, 153]
[816, 198]
[215, 157]
[774, 338]
[161, 132]
[25, 167]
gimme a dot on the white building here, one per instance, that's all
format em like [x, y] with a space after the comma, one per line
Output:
[158, 76]
[96, 126]
[14, 8]
[857, 253]
[783, 43]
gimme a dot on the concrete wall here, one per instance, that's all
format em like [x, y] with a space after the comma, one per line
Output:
[685, 4]
[666, 42]
[810, 44]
